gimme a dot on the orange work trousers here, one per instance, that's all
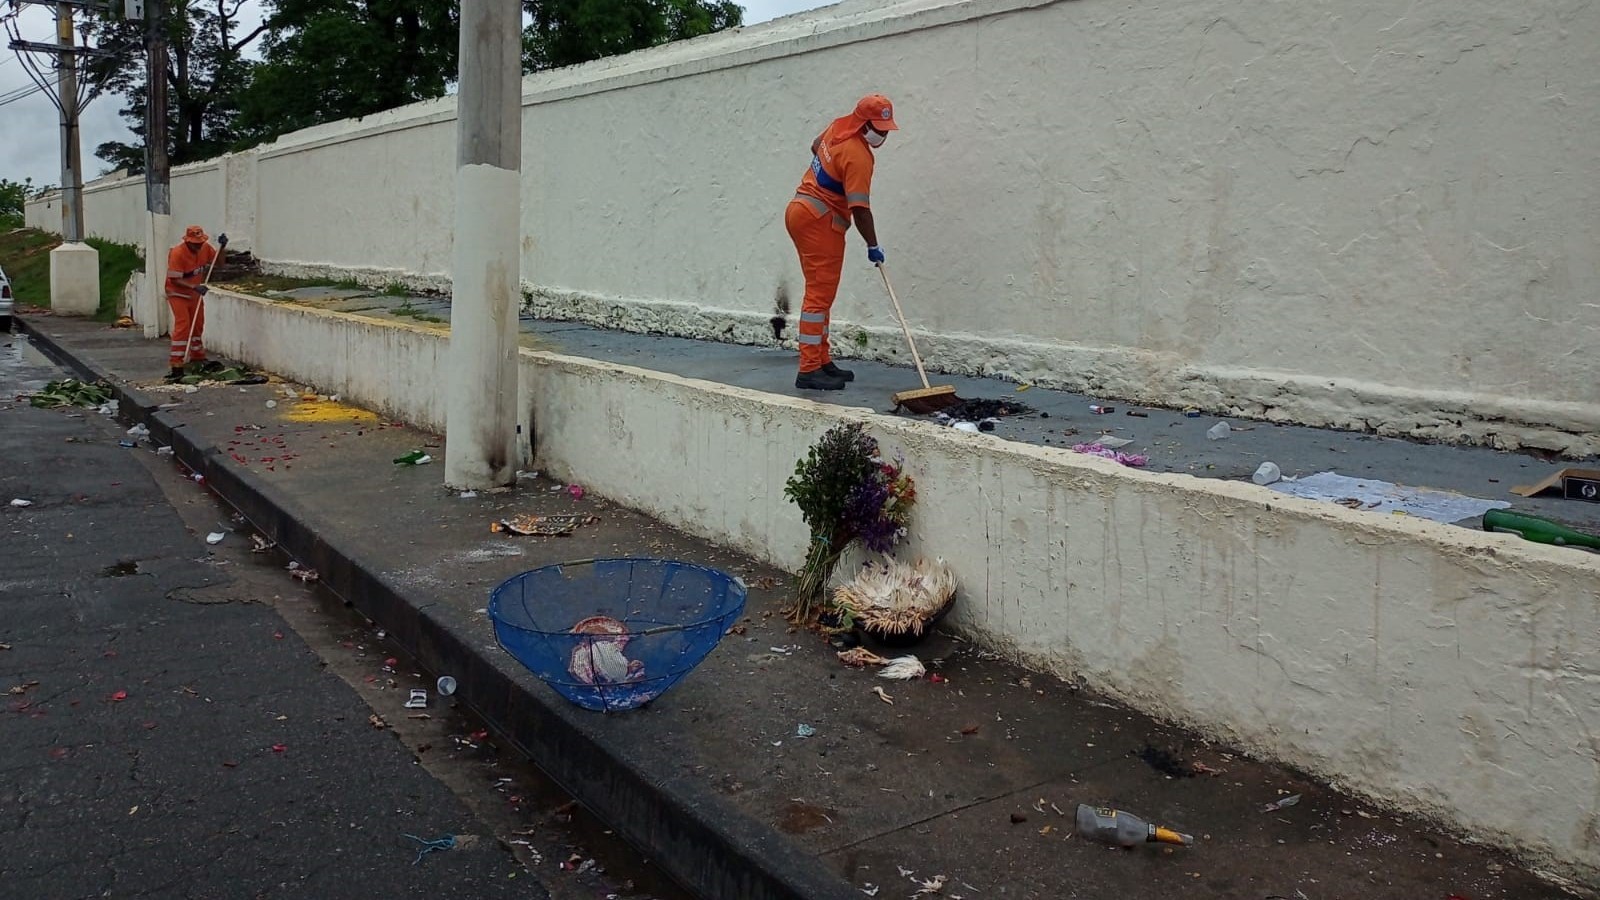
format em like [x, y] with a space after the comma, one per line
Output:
[188, 324]
[821, 250]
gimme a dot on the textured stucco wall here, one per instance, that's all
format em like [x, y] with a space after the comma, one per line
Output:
[1433, 668]
[1345, 213]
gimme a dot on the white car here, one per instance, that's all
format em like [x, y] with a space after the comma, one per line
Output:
[5, 302]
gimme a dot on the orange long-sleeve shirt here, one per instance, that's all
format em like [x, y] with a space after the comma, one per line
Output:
[186, 269]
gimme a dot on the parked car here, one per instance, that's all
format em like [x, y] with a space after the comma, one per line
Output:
[5, 301]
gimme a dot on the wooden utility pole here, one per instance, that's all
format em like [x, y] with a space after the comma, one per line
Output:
[481, 418]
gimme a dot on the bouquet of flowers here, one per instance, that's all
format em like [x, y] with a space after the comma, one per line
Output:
[847, 493]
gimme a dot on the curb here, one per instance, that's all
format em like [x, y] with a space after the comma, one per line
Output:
[711, 848]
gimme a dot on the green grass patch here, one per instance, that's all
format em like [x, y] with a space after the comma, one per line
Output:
[395, 289]
[117, 263]
[25, 255]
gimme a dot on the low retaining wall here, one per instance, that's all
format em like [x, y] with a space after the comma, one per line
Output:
[1434, 669]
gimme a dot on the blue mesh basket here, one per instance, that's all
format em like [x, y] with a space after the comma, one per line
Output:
[612, 634]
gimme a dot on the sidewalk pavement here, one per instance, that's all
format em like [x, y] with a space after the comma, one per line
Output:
[973, 780]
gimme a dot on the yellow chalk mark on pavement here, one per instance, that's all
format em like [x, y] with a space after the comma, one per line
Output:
[328, 411]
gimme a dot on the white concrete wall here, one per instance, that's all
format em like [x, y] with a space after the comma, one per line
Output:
[1435, 669]
[1352, 213]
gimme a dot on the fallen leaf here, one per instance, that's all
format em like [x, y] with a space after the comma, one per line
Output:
[134, 809]
[970, 729]
[58, 753]
[229, 764]
[1047, 829]
[377, 721]
[149, 726]
[23, 688]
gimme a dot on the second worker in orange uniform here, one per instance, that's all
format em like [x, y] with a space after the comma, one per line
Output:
[835, 191]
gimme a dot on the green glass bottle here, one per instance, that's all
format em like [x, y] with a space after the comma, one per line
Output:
[1540, 531]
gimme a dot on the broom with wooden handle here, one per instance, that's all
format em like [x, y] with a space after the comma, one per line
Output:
[927, 398]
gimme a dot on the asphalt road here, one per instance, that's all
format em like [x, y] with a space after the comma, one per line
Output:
[164, 732]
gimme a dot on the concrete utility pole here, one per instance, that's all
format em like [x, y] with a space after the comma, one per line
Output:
[157, 174]
[71, 158]
[481, 421]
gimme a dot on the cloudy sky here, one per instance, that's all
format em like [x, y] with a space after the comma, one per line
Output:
[30, 134]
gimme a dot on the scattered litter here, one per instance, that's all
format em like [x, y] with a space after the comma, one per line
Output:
[119, 696]
[576, 490]
[261, 543]
[1127, 459]
[19, 502]
[1120, 828]
[521, 475]
[904, 668]
[414, 458]
[1218, 432]
[446, 685]
[272, 404]
[303, 574]
[376, 721]
[280, 748]
[970, 729]
[805, 731]
[1138, 414]
[467, 495]
[419, 699]
[933, 885]
[976, 409]
[1111, 442]
[1099, 410]
[1201, 768]
[127, 444]
[215, 537]
[445, 843]
[1381, 496]
[139, 431]
[871, 890]
[549, 525]
[969, 427]
[1267, 473]
[1276, 805]
[110, 408]
[882, 695]
[70, 392]
[164, 451]
[859, 657]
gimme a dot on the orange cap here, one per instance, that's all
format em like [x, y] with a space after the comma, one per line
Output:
[194, 234]
[877, 109]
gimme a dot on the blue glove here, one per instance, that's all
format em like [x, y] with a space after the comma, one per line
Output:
[203, 290]
[875, 255]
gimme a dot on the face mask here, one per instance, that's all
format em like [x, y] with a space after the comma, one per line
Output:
[876, 138]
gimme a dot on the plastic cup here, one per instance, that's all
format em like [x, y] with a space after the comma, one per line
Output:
[446, 685]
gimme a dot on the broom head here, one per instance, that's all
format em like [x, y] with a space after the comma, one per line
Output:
[927, 400]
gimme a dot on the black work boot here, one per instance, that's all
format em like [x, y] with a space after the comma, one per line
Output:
[818, 380]
[837, 372]
[175, 374]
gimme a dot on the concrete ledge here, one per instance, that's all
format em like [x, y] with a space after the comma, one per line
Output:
[1434, 669]
[714, 849]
